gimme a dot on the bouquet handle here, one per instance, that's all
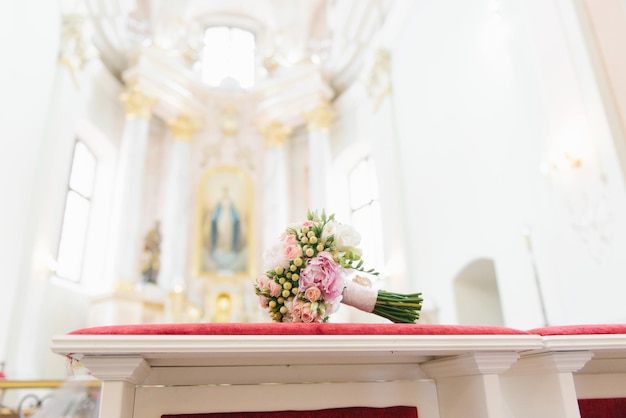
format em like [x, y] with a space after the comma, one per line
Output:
[396, 307]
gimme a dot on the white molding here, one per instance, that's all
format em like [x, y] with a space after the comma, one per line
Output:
[470, 365]
[559, 362]
[585, 342]
[132, 369]
[388, 346]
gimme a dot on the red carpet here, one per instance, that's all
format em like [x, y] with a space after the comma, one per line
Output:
[356, 412]
[295, 329]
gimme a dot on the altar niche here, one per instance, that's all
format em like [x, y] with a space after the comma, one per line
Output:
[224, 233]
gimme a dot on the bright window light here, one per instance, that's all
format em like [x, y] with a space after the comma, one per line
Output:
[228, 54]
[365, 210]
[76, 215]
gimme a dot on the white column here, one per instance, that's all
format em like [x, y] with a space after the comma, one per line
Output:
[126, 210]
[120, 376]
[175, 231]
[547, 378]
[275, 208]
[318, 122]
[469, 385]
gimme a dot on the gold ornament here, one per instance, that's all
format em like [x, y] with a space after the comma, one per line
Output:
[137, 103]
[320, 117]
[230, 121]
[275, 134]
[183, 127]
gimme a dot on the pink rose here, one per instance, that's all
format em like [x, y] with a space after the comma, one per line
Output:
[263, 301]
[290, 239]
[293, 251]
[262, 282]
[307, 315]
[296, 308]
[324, 273]
[307, 223]
[275, 289]
[313, 294]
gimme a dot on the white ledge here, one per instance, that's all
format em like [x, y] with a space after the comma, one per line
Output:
[289, 349]
[419, 344]
[593, 342]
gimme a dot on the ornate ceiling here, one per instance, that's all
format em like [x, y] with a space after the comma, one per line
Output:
[330, 34]
[307, 52]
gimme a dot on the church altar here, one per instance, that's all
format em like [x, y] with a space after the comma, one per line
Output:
[444, 371]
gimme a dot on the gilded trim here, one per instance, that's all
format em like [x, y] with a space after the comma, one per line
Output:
[275, 134]
[183, 127]
[137, 103]
[320, 117]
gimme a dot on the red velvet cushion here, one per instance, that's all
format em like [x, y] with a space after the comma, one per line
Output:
[295, 329]
[581, 329]
[602, 408]
[356, 412]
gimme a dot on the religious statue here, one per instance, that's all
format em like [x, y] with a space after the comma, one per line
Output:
[152, 254]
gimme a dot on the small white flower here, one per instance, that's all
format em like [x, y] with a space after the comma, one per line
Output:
[333, 306]
[275, 257]
[329, 229]
[346, 237]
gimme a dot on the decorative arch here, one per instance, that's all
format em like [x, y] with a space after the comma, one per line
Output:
[476, 294]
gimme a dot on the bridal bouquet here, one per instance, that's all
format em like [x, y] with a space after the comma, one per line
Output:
[308, 276]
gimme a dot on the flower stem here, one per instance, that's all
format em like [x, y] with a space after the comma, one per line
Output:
[398, 308]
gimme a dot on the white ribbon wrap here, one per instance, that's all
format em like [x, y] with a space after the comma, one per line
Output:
[361, 297]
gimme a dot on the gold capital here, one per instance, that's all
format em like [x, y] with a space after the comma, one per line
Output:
[230, 121]
[137, 103]
[183, 127]
[275, 134]
[320, 117]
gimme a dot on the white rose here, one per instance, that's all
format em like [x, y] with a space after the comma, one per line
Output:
[329, 229]
[275, 257]
[346, 238]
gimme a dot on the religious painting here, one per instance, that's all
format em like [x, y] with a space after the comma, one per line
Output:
[224, 234]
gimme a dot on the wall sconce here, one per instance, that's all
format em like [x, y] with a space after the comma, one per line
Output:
[562, 163]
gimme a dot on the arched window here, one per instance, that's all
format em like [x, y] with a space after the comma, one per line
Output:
[77, 211]
[228, 54]
[365, 211]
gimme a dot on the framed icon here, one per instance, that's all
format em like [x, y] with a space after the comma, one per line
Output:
[225, 232]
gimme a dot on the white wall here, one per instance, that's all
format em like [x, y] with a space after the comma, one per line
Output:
[26, 79]
[483, 96]
[43, 113]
